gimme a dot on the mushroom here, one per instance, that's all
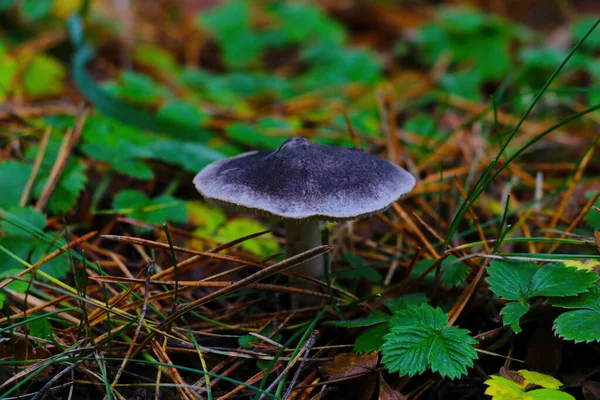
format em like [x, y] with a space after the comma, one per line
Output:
[304, 183]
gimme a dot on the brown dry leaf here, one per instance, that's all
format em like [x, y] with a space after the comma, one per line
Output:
[387, 393]
[24, 351]
[349, 365]
[597, 239]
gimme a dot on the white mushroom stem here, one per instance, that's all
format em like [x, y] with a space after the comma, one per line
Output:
[303, 235]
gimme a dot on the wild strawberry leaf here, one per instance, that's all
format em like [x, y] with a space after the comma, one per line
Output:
[512, 313]
[419, 340]
[582, 325]
[524, 280]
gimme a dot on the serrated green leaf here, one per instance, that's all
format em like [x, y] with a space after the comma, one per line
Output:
[589, 300]
[12, 188]
[375, 318]
[419, 340]
[512, 313]
[44, 76]
[400, 303]
[578, 325]
[67, 190]
[371, 339]
[556, 279]
[524, 280]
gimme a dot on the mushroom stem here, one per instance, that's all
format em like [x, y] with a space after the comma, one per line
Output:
[303, 235]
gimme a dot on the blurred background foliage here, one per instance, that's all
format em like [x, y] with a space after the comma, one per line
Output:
[177, 84]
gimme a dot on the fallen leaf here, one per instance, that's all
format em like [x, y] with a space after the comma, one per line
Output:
[387, 393]
[350, 365]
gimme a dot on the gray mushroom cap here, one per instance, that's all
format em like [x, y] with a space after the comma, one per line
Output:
[303, 180]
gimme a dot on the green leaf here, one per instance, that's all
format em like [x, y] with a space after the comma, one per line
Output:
[419, 340]
[244, 341]
[358, 269]
[36, 9]
[371, 339]
[134, 168]
[44, 76]
[154, 57]
[117, 109]
[12, 188]
[556, 279]
[592, 217]
[40, 328]
[28, 215]
[463, 84]
[375, 318]
[6, 4]
[453, 271]
[510, 280]
[207, 217]
[154, 211]
[183, 113]
[583, 324]
[580, 28]
[67, 190]
[8, 72]
[302, 22]
[263, 246]
[579, 325]
[400, 303]
[512, 313]
[524, 280]
[589, 300]
[548, 394]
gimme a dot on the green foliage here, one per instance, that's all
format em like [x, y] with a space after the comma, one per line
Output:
[524, 280]
[154, 211]
[400, 303]
[477, 44]
[582, 324]
[453, 272]
[592, 217]
[358, 269]
[36, 9]
[12, 188]
[183, 113]
[503, 389]
[40, 328]
[512, 313]
[136, 88]
[44, 76]
[419, 340]
[371, 339]
[263, 246]
[23, 240]
[71, 182]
